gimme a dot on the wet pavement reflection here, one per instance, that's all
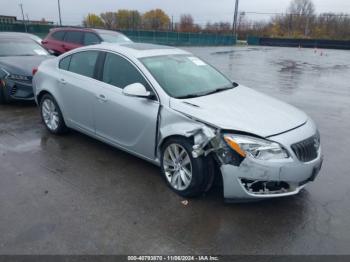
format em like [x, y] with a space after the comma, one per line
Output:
[72, 195]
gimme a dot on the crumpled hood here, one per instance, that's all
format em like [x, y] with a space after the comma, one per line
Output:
[242, 109]
[22, 65]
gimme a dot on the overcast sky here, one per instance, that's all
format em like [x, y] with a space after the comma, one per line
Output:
[73, 11]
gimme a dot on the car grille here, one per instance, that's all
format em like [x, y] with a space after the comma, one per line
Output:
[13, 90]
[307, 150]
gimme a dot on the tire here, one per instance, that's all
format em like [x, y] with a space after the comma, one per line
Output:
[52, 115]
[3, 98]
[176, 166]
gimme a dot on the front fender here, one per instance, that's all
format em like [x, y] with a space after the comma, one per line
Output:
[173, 123]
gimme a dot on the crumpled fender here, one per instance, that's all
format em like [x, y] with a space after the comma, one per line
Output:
[173, 123]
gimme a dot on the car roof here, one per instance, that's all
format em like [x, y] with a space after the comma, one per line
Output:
[56, 29]
[105, 31]
[138, 50]
[83, 29]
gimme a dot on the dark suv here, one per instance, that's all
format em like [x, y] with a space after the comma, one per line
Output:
[61, 40]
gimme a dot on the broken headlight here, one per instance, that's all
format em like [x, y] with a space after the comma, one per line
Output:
[255, 147]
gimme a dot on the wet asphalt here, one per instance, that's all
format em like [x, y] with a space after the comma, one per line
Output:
[74, 195]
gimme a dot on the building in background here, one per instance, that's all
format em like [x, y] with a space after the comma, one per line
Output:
[5, 19]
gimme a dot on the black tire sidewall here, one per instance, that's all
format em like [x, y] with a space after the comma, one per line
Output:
[198, 181]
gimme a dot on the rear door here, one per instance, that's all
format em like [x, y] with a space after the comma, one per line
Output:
[129, 122]
[77, 88]
[72, 40]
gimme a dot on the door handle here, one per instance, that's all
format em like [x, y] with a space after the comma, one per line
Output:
[63, 81]
[102, 98]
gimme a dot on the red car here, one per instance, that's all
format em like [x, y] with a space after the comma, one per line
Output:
[61, 40]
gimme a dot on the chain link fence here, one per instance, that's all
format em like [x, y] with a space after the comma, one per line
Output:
[156, 37]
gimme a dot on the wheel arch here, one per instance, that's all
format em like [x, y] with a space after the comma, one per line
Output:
[40, 96]
[165, 139]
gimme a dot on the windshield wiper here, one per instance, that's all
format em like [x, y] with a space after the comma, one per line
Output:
[189, 96]
[217, 90]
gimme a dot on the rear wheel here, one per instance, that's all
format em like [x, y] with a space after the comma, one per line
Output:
[51, 115]
[187, 176]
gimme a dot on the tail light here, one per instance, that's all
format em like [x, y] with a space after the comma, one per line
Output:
[35, 70]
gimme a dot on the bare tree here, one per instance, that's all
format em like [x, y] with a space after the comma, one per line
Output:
[302, 8]
[109, 20]
[303, 12]
[186, 23]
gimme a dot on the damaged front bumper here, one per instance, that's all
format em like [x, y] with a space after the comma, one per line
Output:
[257, 179]
[253, 180]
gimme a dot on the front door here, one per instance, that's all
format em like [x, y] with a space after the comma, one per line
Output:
[129, 122]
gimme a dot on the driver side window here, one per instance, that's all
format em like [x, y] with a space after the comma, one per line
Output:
[120, 72]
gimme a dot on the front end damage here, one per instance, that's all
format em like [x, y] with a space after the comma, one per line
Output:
[244, 177]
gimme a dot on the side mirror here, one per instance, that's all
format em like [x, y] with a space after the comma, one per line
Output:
[136, 90]
[235, 84]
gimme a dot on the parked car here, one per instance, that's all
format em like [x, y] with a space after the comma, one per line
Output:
[17, 34]
[175, 110]
[61, 40]
[19, 54]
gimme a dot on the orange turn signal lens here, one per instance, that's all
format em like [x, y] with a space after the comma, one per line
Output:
[235, 146]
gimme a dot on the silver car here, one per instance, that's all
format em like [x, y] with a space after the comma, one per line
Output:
[173, 109]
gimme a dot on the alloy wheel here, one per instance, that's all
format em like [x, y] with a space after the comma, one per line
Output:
[50, 114]
[177, 167]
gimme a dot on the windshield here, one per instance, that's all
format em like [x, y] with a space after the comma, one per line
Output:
[20, 47]
[114, 38]
[184, 76]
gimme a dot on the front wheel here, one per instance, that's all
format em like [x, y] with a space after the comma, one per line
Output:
[187, 176]
[51, 115]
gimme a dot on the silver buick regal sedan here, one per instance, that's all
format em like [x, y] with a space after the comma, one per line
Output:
[173, 109]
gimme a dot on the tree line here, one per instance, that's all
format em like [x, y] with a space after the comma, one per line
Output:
[300, 21]
[155, 19]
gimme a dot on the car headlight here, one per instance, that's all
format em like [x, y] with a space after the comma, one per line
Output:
[3, 73]
[255, 147]
[18, 77]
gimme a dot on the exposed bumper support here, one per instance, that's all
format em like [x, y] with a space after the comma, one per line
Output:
[247, 181]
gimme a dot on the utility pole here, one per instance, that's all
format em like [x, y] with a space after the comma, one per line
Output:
[235, 17]
[172, 23]
[24, 21]
[59, 11]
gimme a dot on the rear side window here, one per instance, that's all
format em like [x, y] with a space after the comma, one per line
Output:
[58, 35]
[74, 37]
[83, 63]
[64, 63]
[120, 72]
[91, 39]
